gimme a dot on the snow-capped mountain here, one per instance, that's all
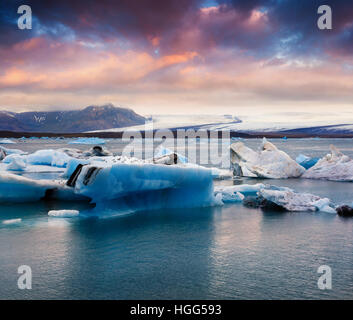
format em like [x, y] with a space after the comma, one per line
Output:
[90, 118]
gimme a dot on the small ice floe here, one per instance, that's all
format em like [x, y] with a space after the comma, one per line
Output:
[269, 162]
[16, 164]
[228, 194]
[165, 154]
[87, 141]
[306, 161]
[63, 213]
[334, 166]
[7, 141]
[293, 201]
[237, 193]
[273, 198]
[12, 221]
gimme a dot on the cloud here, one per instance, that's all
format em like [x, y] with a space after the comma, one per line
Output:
[228, 52]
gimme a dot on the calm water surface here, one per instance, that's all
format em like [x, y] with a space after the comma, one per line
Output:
[228, 252]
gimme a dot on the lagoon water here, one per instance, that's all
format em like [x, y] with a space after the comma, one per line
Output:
[228, 252]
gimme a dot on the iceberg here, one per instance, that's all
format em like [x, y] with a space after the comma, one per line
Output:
[228, 194]
[243, 189]
[273, 198]
[63, 213]
[132, 187]
[87, 141]
[48, 157]
[292, 201]
[269, 162]
[16, 164]
[335, 166]
[161, 152]
[7, 141]
[8, 151]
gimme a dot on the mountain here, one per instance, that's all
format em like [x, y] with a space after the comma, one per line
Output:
[75, 121]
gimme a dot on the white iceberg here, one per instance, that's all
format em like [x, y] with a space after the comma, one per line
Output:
[7, 141]
[334, 166]
[162, 151]
[237, 193]
[48, 157]
[293, 201]
[269, 162]
[87, 141]
[16, 164]
[12, 221]
[12, 151]
[63, 213]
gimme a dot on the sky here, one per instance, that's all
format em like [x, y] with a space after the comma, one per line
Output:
[178, 56]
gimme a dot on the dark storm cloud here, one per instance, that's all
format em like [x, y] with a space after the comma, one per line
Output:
[179, 24]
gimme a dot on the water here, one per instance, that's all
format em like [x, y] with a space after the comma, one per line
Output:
[228, 252]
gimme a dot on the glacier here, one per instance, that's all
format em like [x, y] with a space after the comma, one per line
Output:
[268, 162]
[335, 166]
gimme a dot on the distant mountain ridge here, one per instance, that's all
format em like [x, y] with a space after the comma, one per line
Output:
[75, 121]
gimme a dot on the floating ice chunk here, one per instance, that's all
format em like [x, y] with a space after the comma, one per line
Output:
[146, 186]
[7, 141]
[12, 221]
[16, 164]
[162, 151]
[244, 189]
[269, 162]
[87, 141]
[293, 201]
[63, 213]
[48, 157]
[306, 161]
[15, 188]
[12, 151]
[228, 194]
[334, 166]
[97, 151]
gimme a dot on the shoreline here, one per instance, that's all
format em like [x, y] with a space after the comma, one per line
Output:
[118, 135]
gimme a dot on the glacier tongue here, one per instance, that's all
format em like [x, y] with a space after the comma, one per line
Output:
[269, 162]
[334, 166]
